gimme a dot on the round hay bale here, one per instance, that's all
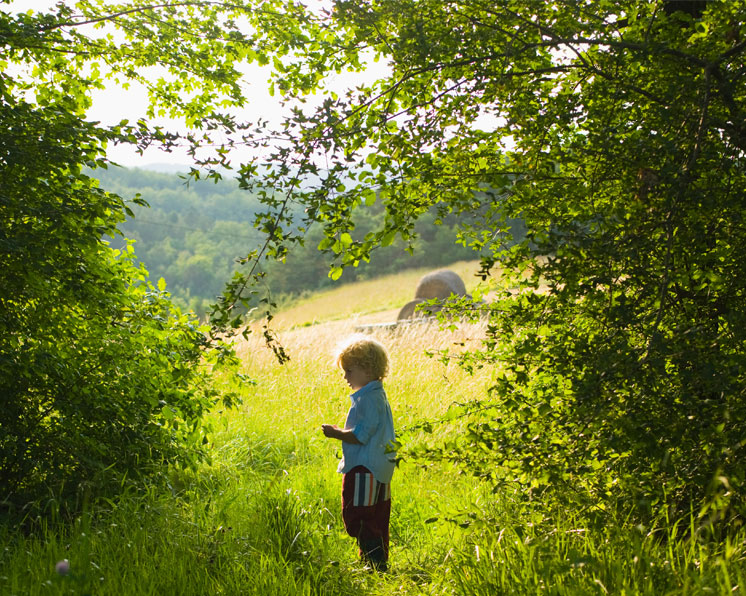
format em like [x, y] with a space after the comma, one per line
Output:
[407, 311]
[440, 284]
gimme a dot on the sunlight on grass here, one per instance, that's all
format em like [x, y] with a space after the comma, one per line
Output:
[360, 300]
[263, 516]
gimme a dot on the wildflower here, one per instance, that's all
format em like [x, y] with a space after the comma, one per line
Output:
[62, 567]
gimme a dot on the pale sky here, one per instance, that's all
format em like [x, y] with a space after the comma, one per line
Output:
[114, 104]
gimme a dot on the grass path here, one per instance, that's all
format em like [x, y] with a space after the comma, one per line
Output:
[262, 518]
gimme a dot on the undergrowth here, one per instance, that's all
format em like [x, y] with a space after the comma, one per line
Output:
[263, 516]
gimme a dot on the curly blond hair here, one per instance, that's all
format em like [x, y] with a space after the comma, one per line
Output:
[365, 352]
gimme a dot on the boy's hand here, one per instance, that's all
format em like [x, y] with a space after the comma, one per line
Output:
[334, 432]
[330, 430]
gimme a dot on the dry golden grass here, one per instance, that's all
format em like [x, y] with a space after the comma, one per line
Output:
[290, 402]
[371, 301]
[310, 390]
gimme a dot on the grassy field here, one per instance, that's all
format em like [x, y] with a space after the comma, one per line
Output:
[376, 300]
[263, 517]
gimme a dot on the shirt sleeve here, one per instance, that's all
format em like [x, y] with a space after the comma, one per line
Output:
[369, 419]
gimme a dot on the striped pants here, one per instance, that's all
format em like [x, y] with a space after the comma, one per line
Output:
[366, 509]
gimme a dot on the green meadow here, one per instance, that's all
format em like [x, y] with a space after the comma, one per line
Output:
[262, 517]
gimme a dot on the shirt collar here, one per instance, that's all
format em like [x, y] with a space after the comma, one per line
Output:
[366, 389]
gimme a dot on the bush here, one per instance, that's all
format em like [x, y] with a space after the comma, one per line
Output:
[100, 373]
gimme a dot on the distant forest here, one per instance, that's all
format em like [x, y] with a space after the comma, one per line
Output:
[192, 234]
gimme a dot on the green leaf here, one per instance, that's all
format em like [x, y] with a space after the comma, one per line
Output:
[369, 197]
[388, 238]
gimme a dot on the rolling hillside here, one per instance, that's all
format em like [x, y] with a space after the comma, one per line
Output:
[365, 302]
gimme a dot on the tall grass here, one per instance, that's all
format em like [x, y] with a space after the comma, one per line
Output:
[263, 517]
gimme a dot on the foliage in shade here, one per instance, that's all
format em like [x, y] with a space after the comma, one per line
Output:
[615, 130]
[100, 373]
[102, 378]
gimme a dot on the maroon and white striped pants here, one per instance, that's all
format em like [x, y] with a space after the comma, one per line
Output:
[366, 507]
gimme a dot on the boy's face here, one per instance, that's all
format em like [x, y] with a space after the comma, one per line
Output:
[356, 376]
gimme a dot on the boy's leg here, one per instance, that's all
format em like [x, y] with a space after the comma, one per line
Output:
[366, 509]
[376, 550]
[374, 554]
[353, 515]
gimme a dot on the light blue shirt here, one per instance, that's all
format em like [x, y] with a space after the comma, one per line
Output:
[371, 422]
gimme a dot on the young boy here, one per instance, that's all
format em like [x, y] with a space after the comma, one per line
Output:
[367, 460]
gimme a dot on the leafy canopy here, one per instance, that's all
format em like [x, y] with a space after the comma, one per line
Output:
[101, 376]
[615, 130]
